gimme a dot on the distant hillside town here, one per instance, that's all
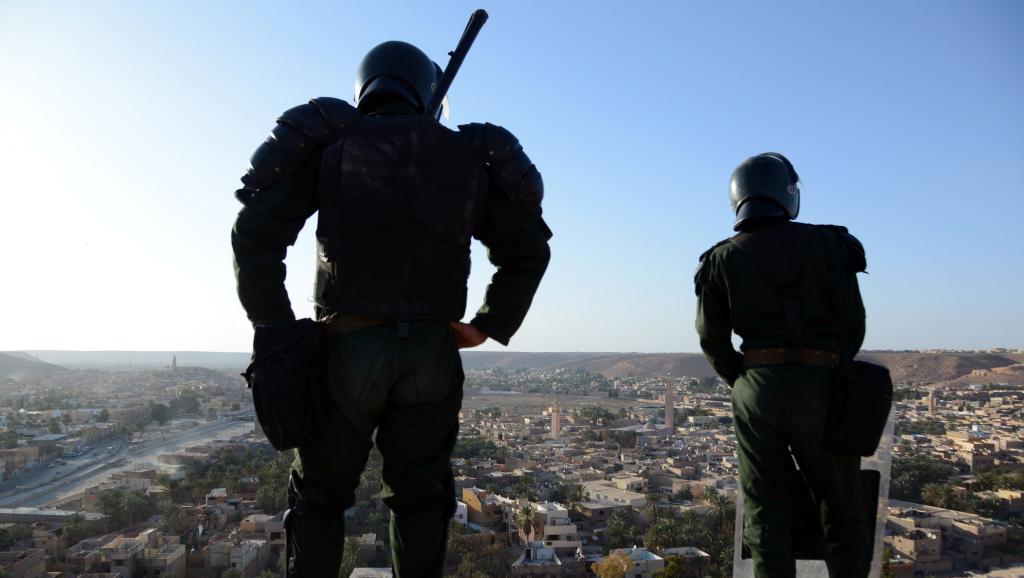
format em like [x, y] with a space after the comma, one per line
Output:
[583, 465]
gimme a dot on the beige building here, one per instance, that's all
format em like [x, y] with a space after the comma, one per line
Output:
[167, 560]
[482, 508]
[553, 526]
[615, 490]
[248, 557]
[23, 564]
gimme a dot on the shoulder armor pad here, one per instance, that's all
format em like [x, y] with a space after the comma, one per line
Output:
[337, 113]
[702, 276]
[837, 229]
[297, 133]
[854, 248]
[509, 166]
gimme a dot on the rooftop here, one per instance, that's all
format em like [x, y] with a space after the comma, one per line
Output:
[639, 554]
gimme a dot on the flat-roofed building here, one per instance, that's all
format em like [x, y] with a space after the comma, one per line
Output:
[695, 561]
[644, 563]
[23, 564]
[165, 561]
[607, 490]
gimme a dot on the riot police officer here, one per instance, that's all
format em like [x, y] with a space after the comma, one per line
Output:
[771, 285]
[399, 198]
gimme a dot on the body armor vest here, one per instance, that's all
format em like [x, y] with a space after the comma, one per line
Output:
[399, 200]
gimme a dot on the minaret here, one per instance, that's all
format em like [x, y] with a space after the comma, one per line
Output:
[556, 419]
[931, 402]
[670, 407]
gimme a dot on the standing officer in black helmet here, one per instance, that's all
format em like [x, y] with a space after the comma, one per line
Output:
[771, 285]
[399, 198]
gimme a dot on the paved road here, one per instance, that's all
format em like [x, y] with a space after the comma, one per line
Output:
[127, 457]
[41, 474]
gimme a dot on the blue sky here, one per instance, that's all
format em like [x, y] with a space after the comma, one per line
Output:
[125, 127]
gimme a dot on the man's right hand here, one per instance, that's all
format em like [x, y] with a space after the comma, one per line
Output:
[467, 335]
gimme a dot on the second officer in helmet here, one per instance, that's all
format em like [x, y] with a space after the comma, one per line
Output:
[773, 284]
[399, 198]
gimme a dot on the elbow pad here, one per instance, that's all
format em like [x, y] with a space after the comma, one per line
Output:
[298, 132]
[509, 167]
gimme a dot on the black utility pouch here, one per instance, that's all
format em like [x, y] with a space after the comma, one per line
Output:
[860, 408]
[287, 379]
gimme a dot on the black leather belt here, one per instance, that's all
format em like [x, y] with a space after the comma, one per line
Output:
[343, 324]
[779, 356]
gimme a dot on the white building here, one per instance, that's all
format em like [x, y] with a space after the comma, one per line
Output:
[556, 528]
[461, 513]
[644, 562]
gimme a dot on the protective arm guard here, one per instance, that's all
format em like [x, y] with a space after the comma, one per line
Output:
[299, 131]
[856, 262]
[713, 322]
[513, 231]
[279, 195]
[510, 168]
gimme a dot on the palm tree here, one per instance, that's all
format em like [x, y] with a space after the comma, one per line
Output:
[652, 506]
[525, 521]
[938, 495]
[111, 504]
[75, 529]
[495, 566]
[662, 534]
[138, 507]
[620, 531]
[574, 495]
[456, 541]
[177, 520]
[718, 504]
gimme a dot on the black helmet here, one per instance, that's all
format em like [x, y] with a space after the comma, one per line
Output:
[396, 69]
[764, 186]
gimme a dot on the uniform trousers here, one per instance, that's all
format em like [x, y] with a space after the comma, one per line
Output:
[781, 414]
[400, 388]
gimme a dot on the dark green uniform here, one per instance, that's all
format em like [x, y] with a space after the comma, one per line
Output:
[781, 409]
[398, 387]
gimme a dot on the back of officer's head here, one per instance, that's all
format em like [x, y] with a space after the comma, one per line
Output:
[395, 76]
[764, 188]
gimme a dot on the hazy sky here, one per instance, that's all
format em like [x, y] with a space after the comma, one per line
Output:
[124, 127]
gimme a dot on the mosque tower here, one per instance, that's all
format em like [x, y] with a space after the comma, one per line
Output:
[670, 407]
[556, 420]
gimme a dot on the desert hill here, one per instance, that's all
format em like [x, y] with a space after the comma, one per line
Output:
[941, 367]
[945, 368]
[142, 359]
[643, 365]
[19, 365]
[1011, 375]
[952, 368]
[522, 360]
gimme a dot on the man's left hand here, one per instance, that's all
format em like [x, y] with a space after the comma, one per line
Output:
[467, 335]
